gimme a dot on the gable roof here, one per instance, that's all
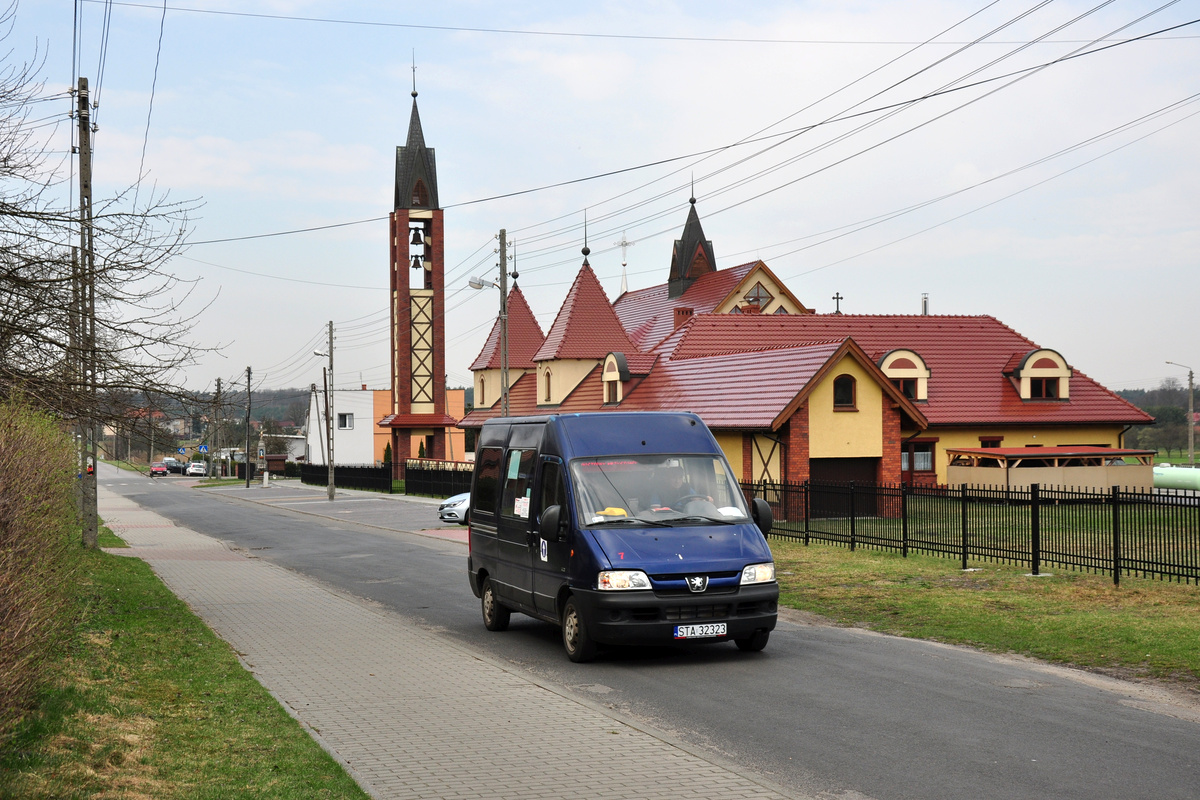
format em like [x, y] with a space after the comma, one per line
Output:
[524, 337]
[586, 325]
[966, 356]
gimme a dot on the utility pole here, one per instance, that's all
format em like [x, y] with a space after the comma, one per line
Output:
[86, 282]
[329, 412]
[247, 427]
[216, 454]
[503, 322]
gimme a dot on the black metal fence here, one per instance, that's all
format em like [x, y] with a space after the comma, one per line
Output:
[1147, 533]
[377, 479]
[435, 478]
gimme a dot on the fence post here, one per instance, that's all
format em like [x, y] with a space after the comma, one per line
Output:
[807, 486]
[852, 536]
[1035, 523]
[904, 519]
[1116, 530]
[964, 526]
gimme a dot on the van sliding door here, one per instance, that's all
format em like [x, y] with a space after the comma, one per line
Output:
[514, 561]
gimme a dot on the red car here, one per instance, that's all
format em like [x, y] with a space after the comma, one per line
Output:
[158, 468]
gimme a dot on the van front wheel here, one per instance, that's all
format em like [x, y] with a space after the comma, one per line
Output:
[578, 644]
[495, 614]
[754, 642]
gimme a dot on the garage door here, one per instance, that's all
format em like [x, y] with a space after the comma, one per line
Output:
[830, 486]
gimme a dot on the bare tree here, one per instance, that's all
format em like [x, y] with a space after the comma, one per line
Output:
[137, 353]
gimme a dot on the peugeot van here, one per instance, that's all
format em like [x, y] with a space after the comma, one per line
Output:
[620, 528]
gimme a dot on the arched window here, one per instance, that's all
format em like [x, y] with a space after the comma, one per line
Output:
[546, 395]
[480, 400]
[420, 195]
[844, 388]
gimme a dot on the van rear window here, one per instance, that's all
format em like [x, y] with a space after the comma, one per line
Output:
[487, 481]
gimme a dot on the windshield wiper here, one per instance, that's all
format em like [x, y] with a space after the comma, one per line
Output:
[631, 521]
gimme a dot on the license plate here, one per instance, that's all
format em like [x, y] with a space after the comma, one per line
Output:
[699, 631]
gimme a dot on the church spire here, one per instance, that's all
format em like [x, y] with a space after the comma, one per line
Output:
[416, 168]
[691, 256]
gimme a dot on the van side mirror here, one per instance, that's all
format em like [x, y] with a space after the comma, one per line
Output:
[760, 510]
[550, 526]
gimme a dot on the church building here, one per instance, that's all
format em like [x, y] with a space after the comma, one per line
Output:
[792, 395]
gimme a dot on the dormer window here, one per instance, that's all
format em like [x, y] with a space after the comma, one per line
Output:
[908, 373]
[613, 378]
[1042, 375]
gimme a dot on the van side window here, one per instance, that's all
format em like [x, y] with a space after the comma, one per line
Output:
[487, 481]
[554, 491]
[518, 484]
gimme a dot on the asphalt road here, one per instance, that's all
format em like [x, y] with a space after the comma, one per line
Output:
[823, 709]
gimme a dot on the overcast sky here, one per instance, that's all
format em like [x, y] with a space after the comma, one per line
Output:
[1062, 200]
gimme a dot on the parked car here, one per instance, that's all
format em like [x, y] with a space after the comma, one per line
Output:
[454, 509]
[197, 468]
[174, 464]
[158, 468]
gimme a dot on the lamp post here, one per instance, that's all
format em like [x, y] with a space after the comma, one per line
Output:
[329, 426]
[1191, 417]
[479, 283]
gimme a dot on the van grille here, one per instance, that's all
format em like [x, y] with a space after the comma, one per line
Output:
[674, 613]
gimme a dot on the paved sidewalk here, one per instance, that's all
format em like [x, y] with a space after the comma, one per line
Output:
[412, 715]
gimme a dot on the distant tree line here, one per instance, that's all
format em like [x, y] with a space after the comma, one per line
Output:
[1168, 405]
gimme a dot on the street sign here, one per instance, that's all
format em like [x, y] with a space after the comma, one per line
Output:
[181, 450]
[203, 448]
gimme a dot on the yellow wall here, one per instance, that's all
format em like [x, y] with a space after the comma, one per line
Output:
[565, 375]
[952, 438]
[846, 434]
[487, 387]
[731, 446]
[381, 402]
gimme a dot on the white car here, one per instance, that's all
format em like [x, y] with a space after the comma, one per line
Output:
[197, 468]
[454, 509]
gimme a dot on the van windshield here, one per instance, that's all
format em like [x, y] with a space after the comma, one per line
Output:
[615, 490]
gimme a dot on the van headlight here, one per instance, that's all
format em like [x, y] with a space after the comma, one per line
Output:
[758, 573]
[620, 579]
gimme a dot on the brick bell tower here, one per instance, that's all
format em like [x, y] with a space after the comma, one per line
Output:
[418, 306]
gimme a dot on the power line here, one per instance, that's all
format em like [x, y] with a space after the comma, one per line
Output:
[540, 33]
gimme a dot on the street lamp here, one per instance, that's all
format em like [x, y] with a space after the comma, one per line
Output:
[480, 283]
[1191, 417]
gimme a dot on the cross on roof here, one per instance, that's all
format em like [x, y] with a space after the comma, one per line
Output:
[837, 300]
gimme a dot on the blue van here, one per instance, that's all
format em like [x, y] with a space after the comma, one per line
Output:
[621, 528]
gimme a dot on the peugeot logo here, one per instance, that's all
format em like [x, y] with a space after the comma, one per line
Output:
[697, 583]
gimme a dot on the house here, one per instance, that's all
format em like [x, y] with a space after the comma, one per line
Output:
[792, 395]
[357, 440]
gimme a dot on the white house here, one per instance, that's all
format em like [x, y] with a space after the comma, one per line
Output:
[356, 438]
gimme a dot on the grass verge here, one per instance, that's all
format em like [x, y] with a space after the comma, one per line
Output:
[1143, 629]
[151, 704]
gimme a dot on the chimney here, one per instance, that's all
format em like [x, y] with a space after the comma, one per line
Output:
[364, 387]
[924, 304]
[682, 315]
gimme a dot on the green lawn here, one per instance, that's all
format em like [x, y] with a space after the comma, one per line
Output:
[151, 704]
[1144, 628]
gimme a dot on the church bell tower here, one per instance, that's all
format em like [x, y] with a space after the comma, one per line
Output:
[418, 305]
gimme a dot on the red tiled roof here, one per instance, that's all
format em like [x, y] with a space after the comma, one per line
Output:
[649, 314]
[524, 337]
[966, 357]
[586, 326]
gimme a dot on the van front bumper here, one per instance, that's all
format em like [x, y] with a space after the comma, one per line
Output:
[647, 617]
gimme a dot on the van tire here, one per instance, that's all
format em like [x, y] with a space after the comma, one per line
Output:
[754, 642]
[576, 641]
[495, 614]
